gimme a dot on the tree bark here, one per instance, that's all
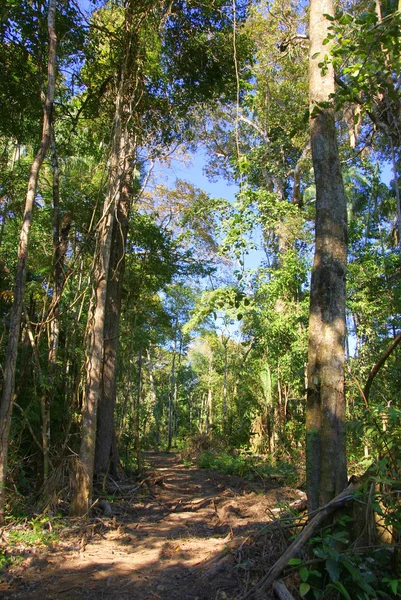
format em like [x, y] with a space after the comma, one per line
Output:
[171, 392]
[60, 244]
[154, 398]
[105, 458]
[20, 280]
[225, 411]
[82, 496]
[325, 418]
[137, 438]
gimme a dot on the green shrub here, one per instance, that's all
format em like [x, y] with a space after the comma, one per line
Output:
[248, 466]
[354, 575]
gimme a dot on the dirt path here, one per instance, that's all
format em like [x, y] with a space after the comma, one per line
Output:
[159, 546]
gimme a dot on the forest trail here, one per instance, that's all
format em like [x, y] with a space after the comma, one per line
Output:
[163, 544]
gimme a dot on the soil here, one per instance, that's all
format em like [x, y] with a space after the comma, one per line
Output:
[183, 534]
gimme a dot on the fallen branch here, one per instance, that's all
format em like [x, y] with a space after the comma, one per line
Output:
[281, 591]
[300, 541]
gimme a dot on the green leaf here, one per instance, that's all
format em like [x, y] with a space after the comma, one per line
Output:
[333, 569]
[295, 561]
[340, 536]
[345, 19]
[339, 586]
[320, 553]
[393, 585]
[355, 573]
[304, 573]
[304, 588]
[315, 55]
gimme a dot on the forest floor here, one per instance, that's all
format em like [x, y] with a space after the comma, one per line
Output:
[183, 534]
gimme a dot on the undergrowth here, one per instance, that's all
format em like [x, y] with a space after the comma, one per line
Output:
[338, 568]
[23, 537]
[248, 466]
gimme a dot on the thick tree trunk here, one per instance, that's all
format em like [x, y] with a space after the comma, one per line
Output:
[16, 312]
[105, 458]
[96, 321]
[325, 419]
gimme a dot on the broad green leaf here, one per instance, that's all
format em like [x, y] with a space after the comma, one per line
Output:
[304, 588]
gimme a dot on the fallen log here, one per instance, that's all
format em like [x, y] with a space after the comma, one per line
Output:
[310, 529]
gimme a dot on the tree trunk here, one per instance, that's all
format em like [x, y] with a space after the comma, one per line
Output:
[171, 393]
[325, 419]
[175, 402]
[96, 320]
[209, 414]
[20, 281]
[60, 245]
[137, 423]
[154, 398]
[225, 342]
[105, 458]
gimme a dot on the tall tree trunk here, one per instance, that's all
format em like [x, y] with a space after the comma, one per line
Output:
[175, 403]
[209, 413]
[20, 281]
[325, 418]
[225, 342]
[154, 398]
[171, 393]
[105, 458]
[60, 244]
[137, 403]
[96, 320]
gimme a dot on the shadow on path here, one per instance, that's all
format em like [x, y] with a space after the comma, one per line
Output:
[159, 546]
